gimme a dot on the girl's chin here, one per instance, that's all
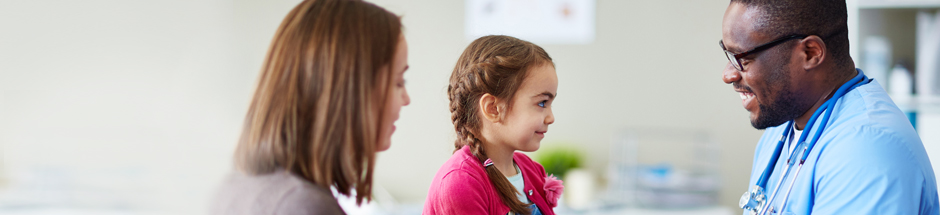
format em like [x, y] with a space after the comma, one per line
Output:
[531, 147]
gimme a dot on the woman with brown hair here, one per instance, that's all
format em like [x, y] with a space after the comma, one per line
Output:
[326, 102]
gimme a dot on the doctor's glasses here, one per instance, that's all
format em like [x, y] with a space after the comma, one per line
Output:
[736, 58]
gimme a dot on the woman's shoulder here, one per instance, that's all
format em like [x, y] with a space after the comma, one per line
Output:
[305, 198]
[279, 192]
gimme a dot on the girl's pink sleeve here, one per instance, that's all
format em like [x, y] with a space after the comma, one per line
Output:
[462, 193]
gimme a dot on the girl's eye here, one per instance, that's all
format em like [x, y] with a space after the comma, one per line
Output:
[401, 83]
[542, 103]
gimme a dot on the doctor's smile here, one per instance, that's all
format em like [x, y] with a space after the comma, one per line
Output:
[747, 96]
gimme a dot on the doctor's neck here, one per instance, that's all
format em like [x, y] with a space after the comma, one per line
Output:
[828, 82]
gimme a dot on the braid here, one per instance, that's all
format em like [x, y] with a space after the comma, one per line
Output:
[463, 95]
[494, 65]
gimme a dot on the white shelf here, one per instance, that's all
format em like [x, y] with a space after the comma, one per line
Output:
[886, 4]
[928, 104]
[894, 20]
[920, 104]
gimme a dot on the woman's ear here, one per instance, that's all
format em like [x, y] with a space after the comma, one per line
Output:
[489, 107]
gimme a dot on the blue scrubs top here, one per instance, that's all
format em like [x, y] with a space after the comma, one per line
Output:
[869, 160]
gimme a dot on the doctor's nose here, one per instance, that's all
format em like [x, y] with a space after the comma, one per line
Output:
[730, 74]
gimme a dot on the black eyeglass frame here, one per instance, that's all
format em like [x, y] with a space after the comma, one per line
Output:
[736, 58]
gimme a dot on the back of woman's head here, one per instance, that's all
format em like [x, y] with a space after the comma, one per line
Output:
[317, 108]
[495, 65]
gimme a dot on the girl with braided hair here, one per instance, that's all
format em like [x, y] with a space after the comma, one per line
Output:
[500, 92]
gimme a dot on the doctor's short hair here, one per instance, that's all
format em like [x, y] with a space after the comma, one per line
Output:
[317, 108]
[824, 18]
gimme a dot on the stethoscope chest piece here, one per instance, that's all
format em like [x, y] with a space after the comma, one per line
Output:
[753, 200]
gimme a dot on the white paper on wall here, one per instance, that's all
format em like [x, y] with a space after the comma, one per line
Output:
[538, 21]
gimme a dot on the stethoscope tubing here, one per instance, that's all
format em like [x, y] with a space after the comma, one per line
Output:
[766, 207]
[832, 103]
[762, 181]
[790, 188]
[826, 111]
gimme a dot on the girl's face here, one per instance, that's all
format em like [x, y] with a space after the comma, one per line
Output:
[525, 125]
[399, 96]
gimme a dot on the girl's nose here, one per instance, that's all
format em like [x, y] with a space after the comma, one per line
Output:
[550, 118]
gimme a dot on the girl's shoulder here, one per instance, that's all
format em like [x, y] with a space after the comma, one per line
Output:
[460, 185]
[462, 166]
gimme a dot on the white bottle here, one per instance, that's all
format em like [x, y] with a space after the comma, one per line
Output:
[901, 83]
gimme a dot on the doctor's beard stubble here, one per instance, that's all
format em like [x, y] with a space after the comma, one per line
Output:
[784, 107]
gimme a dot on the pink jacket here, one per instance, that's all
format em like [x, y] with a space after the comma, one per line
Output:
[461, 186]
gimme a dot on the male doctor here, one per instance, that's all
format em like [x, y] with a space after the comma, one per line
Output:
[787, 59]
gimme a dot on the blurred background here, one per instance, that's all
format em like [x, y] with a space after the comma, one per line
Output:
[134, 107]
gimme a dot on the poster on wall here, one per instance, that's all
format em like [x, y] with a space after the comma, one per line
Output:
[538, 21]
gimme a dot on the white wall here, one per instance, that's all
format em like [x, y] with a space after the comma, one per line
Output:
[111, 103]
[140, 103]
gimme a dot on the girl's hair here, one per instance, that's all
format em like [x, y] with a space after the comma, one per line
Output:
[318, 105]
[494, 65]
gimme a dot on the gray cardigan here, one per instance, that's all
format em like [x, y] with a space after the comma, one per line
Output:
[277, 193]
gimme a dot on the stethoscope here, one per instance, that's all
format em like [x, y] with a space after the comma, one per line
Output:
[754, 200]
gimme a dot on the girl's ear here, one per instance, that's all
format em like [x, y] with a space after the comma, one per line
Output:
[489, 107]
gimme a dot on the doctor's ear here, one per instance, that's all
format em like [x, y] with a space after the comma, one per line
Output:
[813, 52]
[490, 108]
